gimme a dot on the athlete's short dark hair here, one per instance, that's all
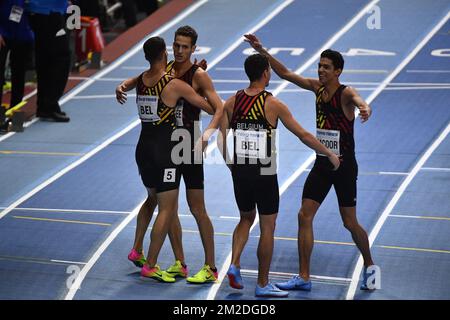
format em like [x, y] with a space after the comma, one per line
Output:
[335, 57]
[187, 31]
[255, 65]
[154, 48]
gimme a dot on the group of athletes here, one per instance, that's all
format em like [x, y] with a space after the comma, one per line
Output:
[170, 97]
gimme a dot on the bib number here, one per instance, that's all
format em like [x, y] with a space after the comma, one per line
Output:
[16, 14]
[330, 139]
[251, 144]
[169, 175]
[148, 108]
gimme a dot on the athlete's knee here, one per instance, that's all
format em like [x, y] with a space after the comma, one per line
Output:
[268, 228]
[305, 216]
[351, 225]
[198, 210]
[248, 217]
[151, 200]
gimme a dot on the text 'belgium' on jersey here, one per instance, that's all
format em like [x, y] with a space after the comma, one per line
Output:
[251, 131]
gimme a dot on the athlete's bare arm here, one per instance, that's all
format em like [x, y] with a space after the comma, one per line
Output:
[206, 88]
[276, 109]
[179, 89]
[280, 69]
[351, 99]
[224, 129]
[125, 86]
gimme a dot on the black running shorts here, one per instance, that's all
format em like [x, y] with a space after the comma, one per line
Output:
[193, 175]
[259, 191]
[153, 157]
[322, 177]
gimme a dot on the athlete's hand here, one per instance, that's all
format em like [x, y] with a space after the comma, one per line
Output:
[364, 113]
[253, 41]
[200, 149]
[121, 95]
[334, 159]
[202, 64]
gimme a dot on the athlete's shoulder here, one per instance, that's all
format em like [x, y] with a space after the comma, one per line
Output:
[348, 92]
[199, 72]
[273, 103]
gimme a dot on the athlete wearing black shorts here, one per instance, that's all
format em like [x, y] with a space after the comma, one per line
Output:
[188, 117]
[157, 96]
[253, 152]
[253, 115]
[335, 114]
[335, 131]
[153, 151]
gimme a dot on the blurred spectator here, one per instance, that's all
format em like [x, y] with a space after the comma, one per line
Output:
[131, 7]
[16, 38]
[48, 21]
[148, 6]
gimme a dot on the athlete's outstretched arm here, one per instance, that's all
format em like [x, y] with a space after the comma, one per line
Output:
[125, 86]
[305, 136]
[280, 69]
[352, 99]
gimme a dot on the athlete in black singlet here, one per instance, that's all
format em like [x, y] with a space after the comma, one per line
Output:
[157, 96]
[191, 169]
[335, 114]
[253, 115]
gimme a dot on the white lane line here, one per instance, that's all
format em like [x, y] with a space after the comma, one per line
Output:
[393, 173]
[258, 26]
[230, 69]
[290, 275]
[419, 217]
[209, 67]
[215, 287]
[134, 67]
[101, 96]
[374, 233]
[391, 86]
[427, 71]
[77, 283]
[375, 173]
[229, 218]
[370, 71]
[329, 43]
[436, 169]
[68, 261]
[417, 88]
[68, 210]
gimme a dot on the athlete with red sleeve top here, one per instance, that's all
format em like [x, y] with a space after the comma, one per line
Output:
[335, 114]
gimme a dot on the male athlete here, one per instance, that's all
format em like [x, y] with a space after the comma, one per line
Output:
[187, 118]
[253, 115]
[335, 116]
[157, 97]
